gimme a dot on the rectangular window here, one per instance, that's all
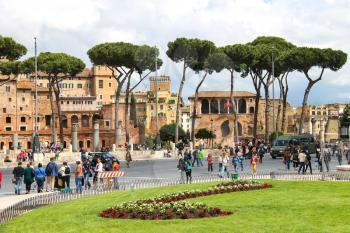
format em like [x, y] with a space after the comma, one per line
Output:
[100, 83]
[161, 107]
[23, 119]
[107, 124]
[23, 99]
[8, 120]
[10, 99]
[21, 108]
[3, 110]
[80, 85]
[23, 128]
[8, 88]
[8, 129]
[47, 120]
[110, 84]
[100, 97]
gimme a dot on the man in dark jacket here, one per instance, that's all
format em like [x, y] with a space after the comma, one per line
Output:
[51, 174]
[18, 173]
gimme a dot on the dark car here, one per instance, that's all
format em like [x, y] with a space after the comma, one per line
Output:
[105, 157]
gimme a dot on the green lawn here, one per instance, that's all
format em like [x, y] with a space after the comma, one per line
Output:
[287, 207]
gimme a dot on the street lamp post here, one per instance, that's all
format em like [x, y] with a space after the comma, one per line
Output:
[322, 148]
[36, 142]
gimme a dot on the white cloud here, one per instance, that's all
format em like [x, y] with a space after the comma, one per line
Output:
[75, 26]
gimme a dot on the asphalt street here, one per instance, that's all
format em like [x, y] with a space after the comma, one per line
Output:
[166, 168]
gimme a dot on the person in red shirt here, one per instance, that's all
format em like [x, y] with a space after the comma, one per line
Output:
[210, 162]
[116, 167]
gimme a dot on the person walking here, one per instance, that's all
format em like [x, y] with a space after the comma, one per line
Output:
[116, 168]
[220, 162]
[194, 155]
[28, 177]
[253, 162]
[98, 170]
[181, 167]
[128, 158]
[51, 172]
[210, 163]
[65, 173]
[287, 157]
[87, 173]
[188, 170]
[224, 168]
[308, 162]
[18, 173]
[261, 152]
[241, 158]
[78, 176]
[40, 177]
[235, 162]
[200, 157]
[302, 158]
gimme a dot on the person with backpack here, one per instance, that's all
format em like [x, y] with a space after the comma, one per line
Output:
[51, 172]
[64, 174]
[40, 177]
[18, 173]
[188, 170]
[78, 176]
[28, 177]
[261, 152]
[87, 173]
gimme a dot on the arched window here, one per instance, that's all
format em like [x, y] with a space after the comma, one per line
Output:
[81, 144]
[239, 129]
[225, 128]
[233, 106]
[2, 145]
[64, 144]
[214, 107]
[95, 117]
[64, 122]
[88, 144]
[222, 106]
[74, 119]
[242, 106]
[85, 121]
[251, 110]
[205, 107]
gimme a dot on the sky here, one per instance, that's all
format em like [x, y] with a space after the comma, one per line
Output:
[74, 26]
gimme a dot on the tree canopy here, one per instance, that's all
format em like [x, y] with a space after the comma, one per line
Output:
[10, 49]
[204, 133]
[167, 132]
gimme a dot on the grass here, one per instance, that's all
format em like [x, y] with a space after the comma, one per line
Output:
[287, 207]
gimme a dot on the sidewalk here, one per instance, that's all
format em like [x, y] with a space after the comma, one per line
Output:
[10, 199]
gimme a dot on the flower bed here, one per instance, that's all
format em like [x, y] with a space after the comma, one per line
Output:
[170, 206]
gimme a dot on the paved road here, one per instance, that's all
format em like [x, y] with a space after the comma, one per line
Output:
[166, 168]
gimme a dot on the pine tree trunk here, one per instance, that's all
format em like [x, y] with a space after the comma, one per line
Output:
[116, 113]
[194, 110]
[234, 108]
[59, 112]
[179, 102]
[126, 112]
[284, 123]
[302, 116]
[53, 114]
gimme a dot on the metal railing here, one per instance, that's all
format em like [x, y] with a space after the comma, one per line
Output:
[133, 183]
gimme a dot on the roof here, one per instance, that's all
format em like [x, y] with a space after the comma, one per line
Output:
[225, 94]
[185, 109]
[84, 74]
[24, 84]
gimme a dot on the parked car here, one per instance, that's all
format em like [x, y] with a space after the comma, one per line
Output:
[105, 157]
[306, 141]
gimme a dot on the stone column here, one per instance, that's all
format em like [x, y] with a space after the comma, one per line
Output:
[15, 141]
[96, 136]
[75, 137]
[313, 127]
